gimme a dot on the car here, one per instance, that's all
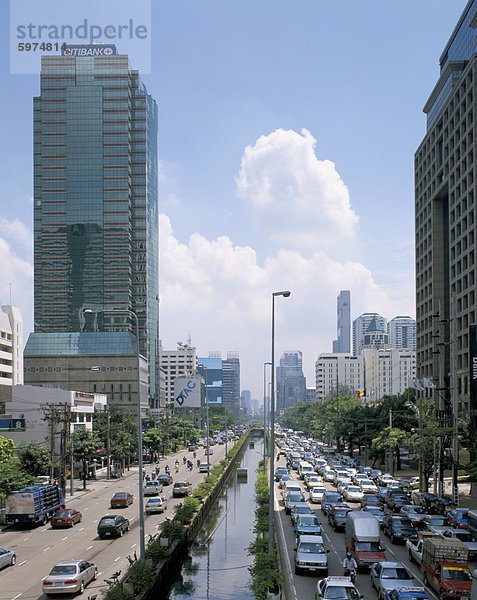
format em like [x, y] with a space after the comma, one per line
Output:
[7, 557]
[398, 528]
[152, 488]
[343, 484]
[307, 525]
[353, 493]
[384, 479]
[436, 523]
[155, 505]
[209, 451]
[300, 508]
[204, 467]
[368, 486]
[329, 498]
[407, 593]
[284, 478]
[316, 493]
[291, 499]
[311, 555]
[112, 526]
[65, 517]
[328, 475]
[165, 479]
[458, 517]
[358, 478]
[279, 472]
[395, 499]
[387, 576]
[337, 588]
[69, 577]
[121, 500]
[181, 489]
[414, 513]
[337, 516]
[370, 500]
[465, 537]
[313, 479]
[377, 512]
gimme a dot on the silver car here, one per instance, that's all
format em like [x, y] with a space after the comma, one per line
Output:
[69, 577]
[155, 505]
[311, 555]
[466, 538]
[387, 576]
[7, 557]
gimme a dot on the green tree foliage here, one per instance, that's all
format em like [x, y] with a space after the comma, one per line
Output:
[34, 459]
[7, 449]
[12, 477]
[152, 441]
[85, 444]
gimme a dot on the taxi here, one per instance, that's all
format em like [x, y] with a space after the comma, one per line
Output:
[336, 587]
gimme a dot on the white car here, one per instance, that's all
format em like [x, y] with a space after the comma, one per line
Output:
[336, 587]
[353, 493]
[155, 505]
[69, 577]
[316, 493]
[312, 480]
[368, 486]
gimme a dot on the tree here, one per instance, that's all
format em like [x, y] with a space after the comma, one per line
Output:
[152, 439]
[7, 449]
[34, 459]
[391, 439]
[122, 447]
[85, 443]
[12, 477]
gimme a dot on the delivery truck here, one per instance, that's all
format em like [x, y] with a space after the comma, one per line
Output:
[444, 568]
[362, 538]
[35, 504]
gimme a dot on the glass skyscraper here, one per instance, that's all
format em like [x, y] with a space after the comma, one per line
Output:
[96, 201]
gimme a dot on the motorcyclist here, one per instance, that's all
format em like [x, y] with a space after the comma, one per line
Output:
[350, 566]
[198, 462]
[177, 466]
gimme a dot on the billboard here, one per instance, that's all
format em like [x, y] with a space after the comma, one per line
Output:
[187, 392]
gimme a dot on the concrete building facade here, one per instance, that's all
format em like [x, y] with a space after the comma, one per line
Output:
[361, 325]
[11, 345]
[343, 341]
[181, 362]
[402, 333]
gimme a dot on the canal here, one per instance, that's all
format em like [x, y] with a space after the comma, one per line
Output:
[217, 567]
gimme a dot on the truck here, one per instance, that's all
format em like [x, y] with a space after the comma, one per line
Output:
[415, 545]
[362, 538]
[34, 504]
[444, 568]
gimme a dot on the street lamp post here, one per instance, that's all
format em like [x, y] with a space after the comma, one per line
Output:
[89, 311]
[271, 522]
[207, 419]
[265, 416]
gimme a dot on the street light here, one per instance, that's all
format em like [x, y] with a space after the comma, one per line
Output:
[207, 417]
[271, 523]
[265, 416]
[90, 311]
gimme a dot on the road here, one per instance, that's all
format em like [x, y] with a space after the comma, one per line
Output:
[41, 547]
[303, 586]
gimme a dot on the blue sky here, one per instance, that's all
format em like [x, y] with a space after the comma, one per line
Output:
[286, 140]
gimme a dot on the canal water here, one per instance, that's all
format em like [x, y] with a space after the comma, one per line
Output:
[217, 567]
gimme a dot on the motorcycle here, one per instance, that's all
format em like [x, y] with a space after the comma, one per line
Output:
[351, 573]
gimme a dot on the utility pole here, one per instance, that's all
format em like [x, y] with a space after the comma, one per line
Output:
[455, 423]
[338, 445]
[391, 456]
[52, 417]
[72, 457]
[108, 443]
[64, 450]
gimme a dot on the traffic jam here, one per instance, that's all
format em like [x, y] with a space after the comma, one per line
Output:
[361, 516]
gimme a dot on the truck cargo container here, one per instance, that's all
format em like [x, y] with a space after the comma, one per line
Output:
[444, 568]
[35, 504]
[362, 538]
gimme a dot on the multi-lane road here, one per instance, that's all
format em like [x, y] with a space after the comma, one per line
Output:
[41, 547]
[299, 587]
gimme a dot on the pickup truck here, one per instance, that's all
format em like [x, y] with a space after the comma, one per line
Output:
[415, 545]
[444, 568]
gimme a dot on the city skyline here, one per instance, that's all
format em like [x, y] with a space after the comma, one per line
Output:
[241, 136]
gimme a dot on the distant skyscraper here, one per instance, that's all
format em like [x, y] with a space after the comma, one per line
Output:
[291, 383]
[95, 202]
[361, 325]
[402, 333]
[343, 343]
[445, 223]
[211, 371]
[231, 379]
[246, 401]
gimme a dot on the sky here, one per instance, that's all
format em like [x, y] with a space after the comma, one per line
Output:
[287, 132]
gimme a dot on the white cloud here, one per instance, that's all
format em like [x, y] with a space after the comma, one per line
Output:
[221, 295]
[298, 200]
[19, 273]
[17, 231]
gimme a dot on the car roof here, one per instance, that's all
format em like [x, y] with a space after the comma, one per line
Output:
[391, 564]
[310, 538]
[74, 561]
[336, 580]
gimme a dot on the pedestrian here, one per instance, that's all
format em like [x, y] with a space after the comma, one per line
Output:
[278, 456]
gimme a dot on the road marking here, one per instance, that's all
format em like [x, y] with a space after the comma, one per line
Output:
[22, 563]
[63, 539]
[89, 547]
[86, 508]
[43, 578]
[131, 519]
[17, 596]
[285, 549]
[26, 539]
[81, 528]
[95, 521]
[133, 545]
[116, 559]
[45, 549]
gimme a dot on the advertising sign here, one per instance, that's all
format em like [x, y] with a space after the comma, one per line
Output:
[187, 392]
[473, 376]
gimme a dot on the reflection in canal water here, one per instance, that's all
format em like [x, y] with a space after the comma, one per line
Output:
[218, 565]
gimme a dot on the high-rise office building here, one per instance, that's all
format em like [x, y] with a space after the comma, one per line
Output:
[361, 326]
[176, 363]
[11, 345]
[231, 379]
[445, 220]
[291, 383]
[343, 341]
[96, 204]
[402, 333]
[211, 371]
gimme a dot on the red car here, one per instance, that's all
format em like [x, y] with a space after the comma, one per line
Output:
[66, 517]
[121, 499]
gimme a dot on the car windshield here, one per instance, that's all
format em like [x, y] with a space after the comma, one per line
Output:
[296, 498]
[341, 512]
[456, 574]
[154, 501]
[438, 522]
[308, 521]
[341, 593]
[353, 489]
[464, 537]
[120, 495]
[63, 570]
[374, 510]
[311, 547]
[107, 521]
[395, 573]
[332, 497]
[368, 547]
[62, 513]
